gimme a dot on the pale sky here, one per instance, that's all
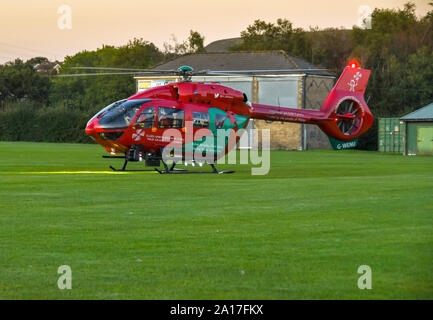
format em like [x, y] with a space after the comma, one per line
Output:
[29, 28]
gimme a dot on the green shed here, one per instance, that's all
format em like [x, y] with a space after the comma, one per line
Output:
[419, 131]
[391, 135]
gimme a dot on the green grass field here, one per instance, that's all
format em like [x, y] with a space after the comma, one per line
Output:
[300, 232]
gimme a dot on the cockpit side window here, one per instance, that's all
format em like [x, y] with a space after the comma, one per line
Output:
[107, 109]
[200, 119]
[146, 119]
[170, 118]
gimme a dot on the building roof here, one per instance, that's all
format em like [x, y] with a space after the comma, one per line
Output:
[425, 113]
[262, 62]
[48, 67]
[222, 45]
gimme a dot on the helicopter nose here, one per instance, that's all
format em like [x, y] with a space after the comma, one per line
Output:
[90, 128]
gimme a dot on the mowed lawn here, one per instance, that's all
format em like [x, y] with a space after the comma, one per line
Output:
[300, 232]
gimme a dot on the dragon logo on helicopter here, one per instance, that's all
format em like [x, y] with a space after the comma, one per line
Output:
[138, 135]
[354, 82]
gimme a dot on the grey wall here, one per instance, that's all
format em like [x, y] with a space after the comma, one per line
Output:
[317, 89]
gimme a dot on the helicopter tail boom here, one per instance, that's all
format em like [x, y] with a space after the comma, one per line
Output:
[344, 115]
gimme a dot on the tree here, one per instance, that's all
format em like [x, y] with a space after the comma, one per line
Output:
[92, 93]
[330, 47]
[35, 61]
[194, 44]
[269, 36]
[396, 50]
[19, 81]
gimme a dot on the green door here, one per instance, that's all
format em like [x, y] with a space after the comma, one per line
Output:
[425, 141]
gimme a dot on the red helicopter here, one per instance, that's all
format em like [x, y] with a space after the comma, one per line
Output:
[137, 126]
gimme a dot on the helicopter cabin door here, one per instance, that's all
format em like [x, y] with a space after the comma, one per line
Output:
[203, 139]
[170, 128]
[144, 127]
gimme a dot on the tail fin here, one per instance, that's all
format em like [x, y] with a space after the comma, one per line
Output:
[347, 113]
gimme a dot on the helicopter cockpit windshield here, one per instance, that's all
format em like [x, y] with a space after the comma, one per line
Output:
[120, 115]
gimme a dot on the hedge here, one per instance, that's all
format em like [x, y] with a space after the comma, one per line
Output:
[47, 124]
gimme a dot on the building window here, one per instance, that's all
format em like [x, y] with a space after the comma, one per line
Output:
[146, 119]
[200, 119]
[170, 118]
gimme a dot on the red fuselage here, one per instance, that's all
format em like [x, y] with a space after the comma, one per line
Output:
[191, 100]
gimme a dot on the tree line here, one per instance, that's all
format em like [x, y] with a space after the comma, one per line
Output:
[37, 107]
[398, 48]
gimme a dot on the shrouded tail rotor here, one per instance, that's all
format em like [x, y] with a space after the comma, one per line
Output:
[349, 117]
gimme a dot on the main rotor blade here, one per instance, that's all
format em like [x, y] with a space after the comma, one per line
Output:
[201, 72]
[93, 74]
[216, 72]
[176, 72]
[124, 69]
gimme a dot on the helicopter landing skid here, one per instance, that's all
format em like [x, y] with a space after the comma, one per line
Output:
[125, 163]
[129, 170]
[166, 170]
[173, 170]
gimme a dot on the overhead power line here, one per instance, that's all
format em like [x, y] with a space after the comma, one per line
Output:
[30, 51]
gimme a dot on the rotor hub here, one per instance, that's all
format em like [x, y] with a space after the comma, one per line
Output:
[186, 73]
